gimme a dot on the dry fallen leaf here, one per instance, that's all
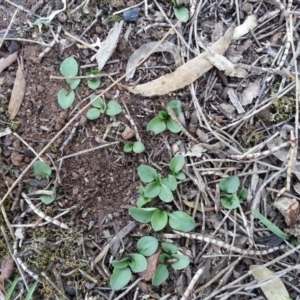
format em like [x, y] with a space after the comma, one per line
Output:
[275, 290]
[185, 74]
[17, 94]
[224, 64]
[249, 24]
[152, 262]
[6, 62]
[234, 99]
[250, 92]
[109, 45]
[143, 51]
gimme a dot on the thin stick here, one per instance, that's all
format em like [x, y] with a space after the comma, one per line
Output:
[87, 150]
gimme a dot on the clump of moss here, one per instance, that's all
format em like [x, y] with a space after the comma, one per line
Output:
[251, 135]
[282, 109]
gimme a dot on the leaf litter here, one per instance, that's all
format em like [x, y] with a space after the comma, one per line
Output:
[241, 136]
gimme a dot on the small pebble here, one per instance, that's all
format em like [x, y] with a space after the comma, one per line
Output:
[7, 143]
[29, 153]
[62, 17]
[14, 46]
[105, 11]
[131, 15]
[70, 290]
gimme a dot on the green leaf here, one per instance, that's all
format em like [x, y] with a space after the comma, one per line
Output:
[163, 114]
[69, 67]
[159, 220]
[128, 147]
[93, 113]
[141, 201]
[243, 194]
[229, 184]
[230, 201]
[172, 126]
[152, 189]
[146, 173]
[31, 291]
[142, 215]
[98, 102]
[139, 263]
[163, 258]
[42, 21]
[160, 276]
[177, 164]
[93, 83]
[182, 14]
[165, 193]
[47, 199]
[113, 108]
[73, 83]
[138, 147]
[65, 99]
[176, 107]
[120, 278]
[181, 221]
[157, 125]
[183, 261]
[41, 170]
[180, 176]
[170, 182]
[272, 227]
[120, 264]
[169, 248]
[147, 245]
[12, 287]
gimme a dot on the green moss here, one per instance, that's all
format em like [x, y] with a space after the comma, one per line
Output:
[282, 109]
[251, 135]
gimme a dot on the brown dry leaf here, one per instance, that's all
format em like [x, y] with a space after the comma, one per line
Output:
[224, 64]
[192, 204]
[234, 99]
[7, 268]
[6, 62]
[109, 46]
[275, 290]
[250, 92]
[152, 262]
[17, 94]
[143, 51]
[281, 154]
[185, 74]
[249, 24]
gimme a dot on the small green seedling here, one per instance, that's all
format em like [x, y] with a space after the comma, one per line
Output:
[94, 83]
[176, 165]
[178, 220]
[136, 147]
[68, 68]
[142, 200]
[229, 197]
[157, 186]
[181, 13]
[135, 263]
[43, 171]
[164, 121]
[99, 107]
[170, 257]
